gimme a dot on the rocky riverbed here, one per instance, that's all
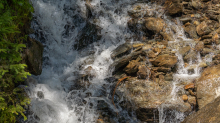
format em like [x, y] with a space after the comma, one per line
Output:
[166, 70]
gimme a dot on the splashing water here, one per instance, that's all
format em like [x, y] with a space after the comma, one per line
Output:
[58, 25]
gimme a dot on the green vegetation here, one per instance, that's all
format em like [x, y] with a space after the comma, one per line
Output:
[14, 14]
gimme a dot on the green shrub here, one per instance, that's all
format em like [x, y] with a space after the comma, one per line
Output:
[13, 15]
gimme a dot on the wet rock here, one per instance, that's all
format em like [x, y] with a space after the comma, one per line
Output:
[165, 60]
[192, 55]
[175, 7]
[207, 41]
[154, 24]
[151, 54]
[137, 45]
[132, 67]
[88, 72]
[100, 121]
[215, 38]
[121, 50]
[203, 29]
[208, 86]
[208, 114]
[157, 25]
[143, 72]
[40, 94]
[199, 46]
[123, 61]
[191, 30]
[147, 47]
[30, 81]
[189, 86]
[207, 36]
[168, 77]
[206, 51]
[162, 69]
[203, 65]
[184, 50]
[146, 101]
[185, 97]
[197, 4]
[192, 100]
[186, 19]
[33, 56]
[138, 11]
[88, 35]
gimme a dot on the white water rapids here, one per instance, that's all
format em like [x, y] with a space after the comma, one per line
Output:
[57, 24]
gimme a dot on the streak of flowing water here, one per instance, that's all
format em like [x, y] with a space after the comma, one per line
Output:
[58, 24]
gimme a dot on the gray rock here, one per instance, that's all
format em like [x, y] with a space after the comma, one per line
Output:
[123, 61]
[33, 56]
[121, 50]
[40, 94]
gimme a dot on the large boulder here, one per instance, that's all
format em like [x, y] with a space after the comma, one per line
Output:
[208, 114]
[146, 96]
[33, 56]
[165, 60]
[208, 85]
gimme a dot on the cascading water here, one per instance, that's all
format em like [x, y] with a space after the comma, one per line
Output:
[59, 96]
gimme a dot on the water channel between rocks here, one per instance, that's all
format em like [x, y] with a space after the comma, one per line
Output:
[79, 36]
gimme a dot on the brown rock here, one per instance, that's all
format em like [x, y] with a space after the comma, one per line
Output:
[147, 47]
[132, 67]
[162, 69]
[183, 51]
[146, 101]
[203, 29]
[197, 4]
[151, 54]
[199, 46]
[185, 97]
[33, 56]
[100, 121]
[158, 25]
[154, 24]
[208, 85]
[189, 86]
[123, 61]
[206, 51]
[143, 72]
[175, 7]
[215, 38]
[192, 100]
[208, 114]
[191, 30]
[192, 55]
[165, 61]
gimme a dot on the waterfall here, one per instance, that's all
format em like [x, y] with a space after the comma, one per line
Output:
[68, 96]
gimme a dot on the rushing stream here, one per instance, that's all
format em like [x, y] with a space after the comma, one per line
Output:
[57, 96]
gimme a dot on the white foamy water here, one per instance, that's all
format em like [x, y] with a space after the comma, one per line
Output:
[68, 97]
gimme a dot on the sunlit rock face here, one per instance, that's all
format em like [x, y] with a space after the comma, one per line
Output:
[208, 85]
